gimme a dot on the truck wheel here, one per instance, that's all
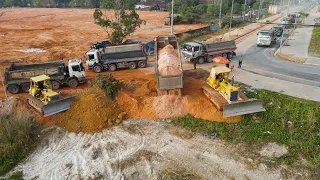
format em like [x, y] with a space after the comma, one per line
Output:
[55, 85]
[201, 60]
[132, 65]
[142, 64]
[73, 83]
[224, 55]
[14, 88]
[97, 69]
[230, 55]
[112, 67]
[25, 87]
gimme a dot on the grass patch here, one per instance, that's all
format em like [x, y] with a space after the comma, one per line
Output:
[314, 49]
[18, 134]
[14, 176]
[288, 120]
[106, 82]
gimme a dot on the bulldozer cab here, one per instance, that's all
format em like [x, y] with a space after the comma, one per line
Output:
[218, 75]
[40, 87]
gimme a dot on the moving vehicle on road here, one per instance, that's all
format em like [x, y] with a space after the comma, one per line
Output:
[266, 38]
[115, 57]
[278, 29]
[203, 52]
[17, 76]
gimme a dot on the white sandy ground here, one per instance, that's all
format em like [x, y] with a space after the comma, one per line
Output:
[139, 149]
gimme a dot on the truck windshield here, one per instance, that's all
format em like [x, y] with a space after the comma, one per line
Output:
[264, 34]
[90, 57]
[195, 49]
[76, 68]
[187, 47]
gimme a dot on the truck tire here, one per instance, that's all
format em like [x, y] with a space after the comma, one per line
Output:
[97, 69]
[201, 60]
[112, 67]
[55, 85]
[142, 64]
[132, 65]
[25, 87]
[73, 82]
[14, 88]
[230, 55]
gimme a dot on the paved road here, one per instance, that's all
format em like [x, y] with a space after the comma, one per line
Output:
[261, 60]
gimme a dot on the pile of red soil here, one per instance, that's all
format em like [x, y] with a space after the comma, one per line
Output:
[92, 112]
[139, 100]
[168, 62]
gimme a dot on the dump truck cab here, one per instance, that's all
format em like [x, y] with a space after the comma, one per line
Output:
[193, 50]
[76, 69]
[266, 38]
[93, 57]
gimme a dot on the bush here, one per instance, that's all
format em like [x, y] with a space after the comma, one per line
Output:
[106, 82]
[185, 37]
[18, 134]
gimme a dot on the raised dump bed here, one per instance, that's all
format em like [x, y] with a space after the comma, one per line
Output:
[168, 65]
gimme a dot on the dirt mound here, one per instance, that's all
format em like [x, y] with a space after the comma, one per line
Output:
[92, 112]
[138, 99]
[168, 62]
[169, 106]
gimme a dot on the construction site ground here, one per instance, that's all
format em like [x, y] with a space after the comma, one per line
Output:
[65, 33]
[135, 148]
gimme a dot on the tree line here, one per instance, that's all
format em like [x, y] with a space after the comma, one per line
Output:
[179, 4]
[57, 3]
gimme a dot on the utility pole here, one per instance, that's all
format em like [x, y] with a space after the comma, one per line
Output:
[286, 20]
[260, 6]
[244, 8]
[172, 17]
[231, 18]
[220, 14]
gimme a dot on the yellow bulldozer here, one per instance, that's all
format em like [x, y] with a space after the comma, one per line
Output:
[228, 98]
[44, 100]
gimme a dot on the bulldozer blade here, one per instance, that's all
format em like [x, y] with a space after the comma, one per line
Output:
[243, 107]
[56, 106]
[53, 107]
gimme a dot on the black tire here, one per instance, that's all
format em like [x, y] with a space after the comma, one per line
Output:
[230, 55]
[14, 88]
[224, 55]
[97, 69]
[55, 85]
[73, 83]
[132, 65]
[201, 60]
[142, 64]
[25, 87]
[112, 67]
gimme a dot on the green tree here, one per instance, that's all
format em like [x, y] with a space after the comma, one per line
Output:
[213, 10]
[124, 21]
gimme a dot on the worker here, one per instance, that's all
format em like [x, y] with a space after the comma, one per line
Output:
[240, 62]
[194, 64]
